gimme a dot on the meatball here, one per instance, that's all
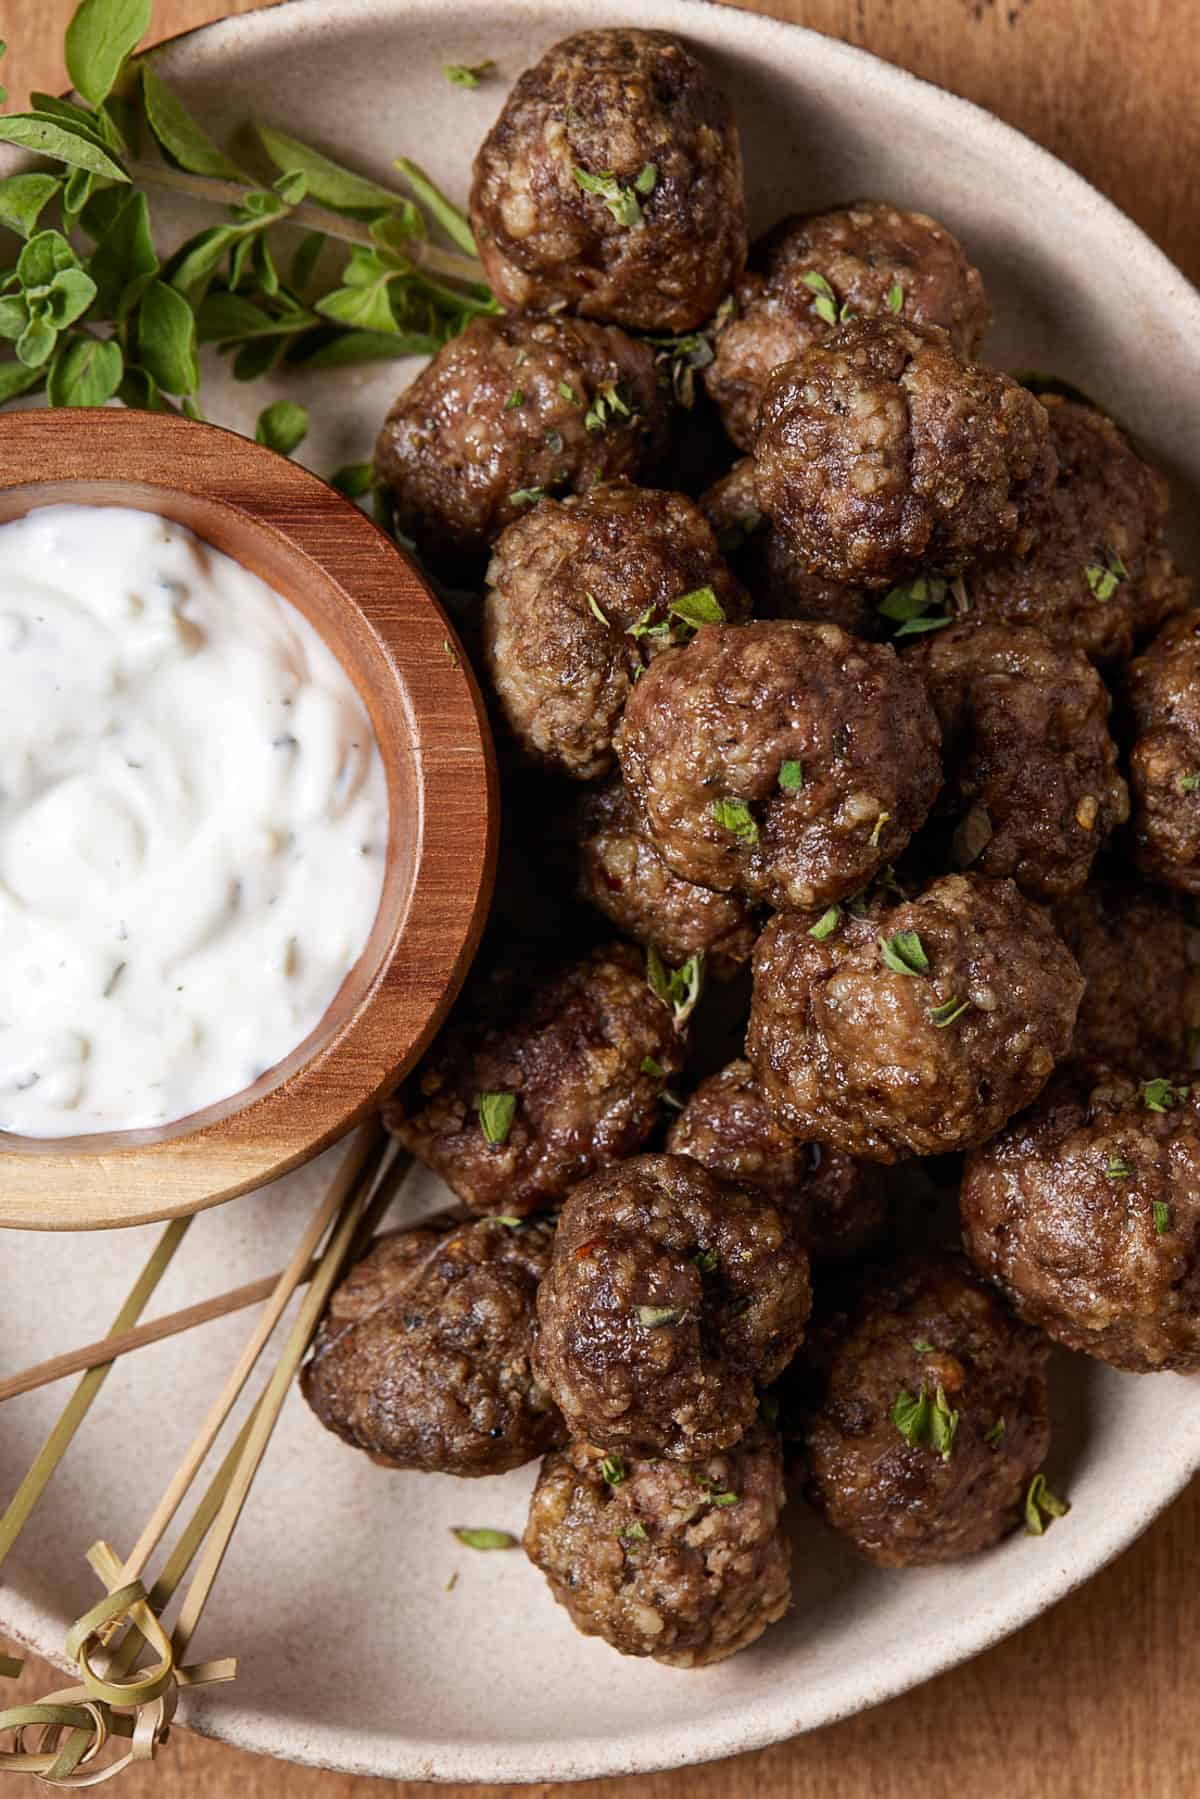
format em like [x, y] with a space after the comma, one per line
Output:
[911, 1028]
[881, 452]
[1141, 1001]
[840, 1204]
[579, 600]
[1164, 763]
[511, 407]
[1099, 577]
[671, 1298]
[1086, 1213]
[621, 873]
[683, 1561]
[867, 260]
[423, 1356]
[1032, 787]
[611, 183]
[538, 1079]
[760, 556]
[930, 1416]
[785, 761]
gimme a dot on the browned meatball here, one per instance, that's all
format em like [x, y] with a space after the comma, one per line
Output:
[683, 1561]
[1164, 763]
[881, 452]
[1141, 1002]
[727, 1124]
[1086, 1212]
[671, 1298]
[423, 1356]
[930, 1419]
[914, 1028]
[1032, 787]
[787, 761]
[621, 873]
[579, 600]
[866, 260]
[516, 406]
[612, 183]
[760, 556]
[1099, 577]
[538, 1079]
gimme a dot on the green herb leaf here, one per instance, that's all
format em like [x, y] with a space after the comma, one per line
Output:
[895, 297]
[1042, 1507]
[916, 627]
[597, 610]
[567, 392]
[634, 1533]
[734, 816]
[612, 1470]
[327, 182]
[827, 924]
[472, 1537]
[508, 1219]
[715, 1493]
[451, 218]
[47, 137]
[948, 1011]
[993, 1436]
[653, 1068]
[70, 295]
[1189, 783]
[354, 480]
[124, 259]
[23, 198]
[464, 74]
[367, 306]
[913, 599]
[622, 202]
[282, 426]
[178, 133]
[1117, 1168]
[645, 179]
[87, 373]
[1160, 1095]
[496, 1115]
[167, 339]
[678, 988]
[926, 1421]
[652, 1318]
[922, 1345]
[527, 496]
[46, 255]
[35, 346]
[1162, 1216]
[904, 953]
[16, 379]
[102, 33]
[707, 1261]
[791, 776]
[700, 607]
[877, 829]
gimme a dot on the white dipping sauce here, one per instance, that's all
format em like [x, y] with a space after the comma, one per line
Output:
[193, 820]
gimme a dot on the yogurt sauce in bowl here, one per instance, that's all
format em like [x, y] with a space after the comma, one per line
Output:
[193, 823]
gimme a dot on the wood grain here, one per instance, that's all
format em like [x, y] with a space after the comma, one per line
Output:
[1097, 1699]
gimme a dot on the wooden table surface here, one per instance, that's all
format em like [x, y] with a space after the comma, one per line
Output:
[1097, 1700]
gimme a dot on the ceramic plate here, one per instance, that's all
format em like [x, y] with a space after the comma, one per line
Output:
[353, 1652]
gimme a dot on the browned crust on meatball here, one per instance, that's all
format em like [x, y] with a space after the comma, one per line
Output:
[1032, 786]
[577, 605]
[714, 724]
[1141, 1000]
[862, 253]
[613, 103]
[503, 409]
[1164, 763]
[656, 1564]
[422, 1358]
[727, 1124]
[670, 1300]
[852, 1053]
[1105, 511]
[881, 452]
[573, 1046]
[760, 556]
[1105, 1260]
[926, 1324]
[620, 872]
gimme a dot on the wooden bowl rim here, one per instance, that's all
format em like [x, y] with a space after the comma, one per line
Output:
[267, 501]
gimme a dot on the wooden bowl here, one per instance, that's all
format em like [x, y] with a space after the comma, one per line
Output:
[392, 638]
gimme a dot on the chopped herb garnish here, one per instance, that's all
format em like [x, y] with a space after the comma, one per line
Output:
[734, 816]
[948, 1011]
[700, 607]
[483, 1538]
[1105, 575]
[621, 201]
[508, 1219]
[904, 953]
[653, 1318]
[496, 1115]
[827, 924]
[651, 1067]
[647, 627]
[607, 401]
[1162, 1216]
[877, 831]
[825, 304]
[791, 776]
[516, 398]
[993, 1436]
[683, 356]
[917, 627]
[926, 1422]
[1160, 1095]
[555, 442]
[1189, 783]
[1117, 1168]
[1042, 1506]
[596, 609]
[467, 74]
[527, 496]
[707, 1261]
[922, 1345]
[612, 1470]
[913, 603]
[895, 297]
[634, 1533]
[715, 1493]
[679, 988]
[568, 392]
[645, 179]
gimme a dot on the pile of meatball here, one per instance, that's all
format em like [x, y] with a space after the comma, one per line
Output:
[848, 703]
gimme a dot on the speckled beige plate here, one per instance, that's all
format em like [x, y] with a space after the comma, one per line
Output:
[353, 1653]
